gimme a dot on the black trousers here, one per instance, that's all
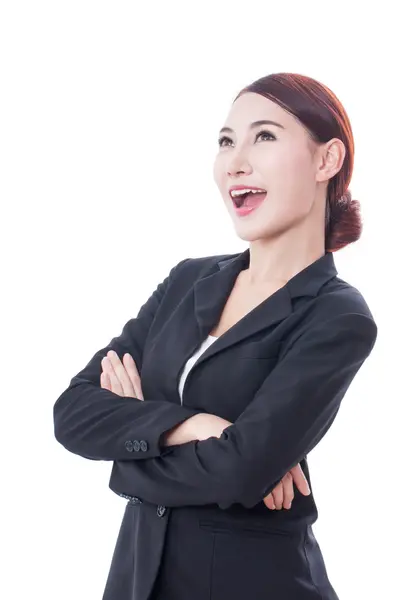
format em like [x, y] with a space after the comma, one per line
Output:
[201, 561]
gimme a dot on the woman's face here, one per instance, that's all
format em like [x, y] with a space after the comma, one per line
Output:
[280, 159]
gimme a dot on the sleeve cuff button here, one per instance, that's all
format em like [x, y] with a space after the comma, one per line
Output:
[129, 445]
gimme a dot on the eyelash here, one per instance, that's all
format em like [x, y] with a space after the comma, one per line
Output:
[221, 139]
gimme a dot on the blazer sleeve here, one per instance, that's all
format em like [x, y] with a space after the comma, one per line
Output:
[99, 425]
[291, 412]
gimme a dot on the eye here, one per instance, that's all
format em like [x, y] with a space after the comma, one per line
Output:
[264, 132]
[222, 139]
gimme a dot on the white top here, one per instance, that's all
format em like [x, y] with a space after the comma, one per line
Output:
[189, 363]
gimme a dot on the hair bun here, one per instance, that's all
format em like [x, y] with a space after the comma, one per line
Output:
[344, 222]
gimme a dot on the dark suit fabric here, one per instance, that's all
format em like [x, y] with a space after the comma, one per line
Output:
[195, 526]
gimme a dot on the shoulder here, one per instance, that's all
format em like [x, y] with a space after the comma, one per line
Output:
[338, 297]
[338, 311]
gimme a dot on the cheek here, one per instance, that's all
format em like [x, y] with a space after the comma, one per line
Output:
[216, 171]
[285, 168]
[284, 159]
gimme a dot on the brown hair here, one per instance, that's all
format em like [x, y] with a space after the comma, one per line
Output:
[323, 115]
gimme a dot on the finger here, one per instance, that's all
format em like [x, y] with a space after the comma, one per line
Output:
[288, 491]
[133, 374]
[107, 375]
[121, 373]
[116, 386]
[123, 391]
[105, 381]
[269, 502]
[277, 493]
[300, 480]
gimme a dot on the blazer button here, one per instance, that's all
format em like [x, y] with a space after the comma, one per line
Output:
[143, 445]
[161, 511]
[132, 445]
[135, 500]
[132, 499]
[129, 445]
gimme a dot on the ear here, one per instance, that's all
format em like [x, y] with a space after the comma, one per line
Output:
[331, 157]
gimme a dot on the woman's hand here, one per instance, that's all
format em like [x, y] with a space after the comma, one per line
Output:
[124, 379]
[283, 493]
[204, 426]
[121, 378]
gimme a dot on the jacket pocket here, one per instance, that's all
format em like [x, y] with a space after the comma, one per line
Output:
[244, 529]
[262, 350]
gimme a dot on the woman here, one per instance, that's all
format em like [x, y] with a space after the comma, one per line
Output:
[211, 398]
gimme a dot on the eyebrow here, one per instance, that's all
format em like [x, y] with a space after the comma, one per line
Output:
[254, 125]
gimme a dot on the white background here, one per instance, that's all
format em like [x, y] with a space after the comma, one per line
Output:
[109, 115]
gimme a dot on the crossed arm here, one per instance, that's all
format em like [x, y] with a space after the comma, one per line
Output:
[291, 412]
[123, 379]
[287, 418]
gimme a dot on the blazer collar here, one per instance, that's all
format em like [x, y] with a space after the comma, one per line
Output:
[212, 291]
[305, 283]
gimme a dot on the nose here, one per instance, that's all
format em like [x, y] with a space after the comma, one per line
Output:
[237, 164]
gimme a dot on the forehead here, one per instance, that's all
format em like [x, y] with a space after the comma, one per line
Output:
[253, 107]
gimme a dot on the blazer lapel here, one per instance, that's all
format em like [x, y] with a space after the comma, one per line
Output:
[200, 310]
[212, 291]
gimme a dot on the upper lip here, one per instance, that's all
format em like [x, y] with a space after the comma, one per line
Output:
[244, 187]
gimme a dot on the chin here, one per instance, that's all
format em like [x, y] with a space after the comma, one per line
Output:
[251, 232]
[246, 237]
[264, 229]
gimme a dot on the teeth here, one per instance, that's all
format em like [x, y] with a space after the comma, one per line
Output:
[235, 193]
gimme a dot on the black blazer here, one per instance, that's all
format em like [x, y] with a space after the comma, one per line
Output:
[279, 374]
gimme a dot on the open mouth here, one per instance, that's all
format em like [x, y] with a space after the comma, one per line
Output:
[248, 199]
[238, 201]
